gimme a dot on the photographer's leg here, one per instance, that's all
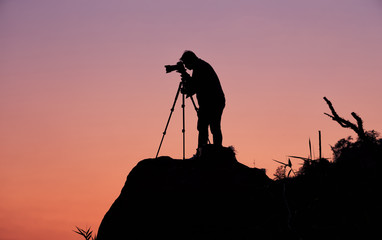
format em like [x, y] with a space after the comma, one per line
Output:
[202, 128]
[216, 127]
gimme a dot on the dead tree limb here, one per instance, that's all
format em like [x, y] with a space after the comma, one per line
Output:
[346, 123]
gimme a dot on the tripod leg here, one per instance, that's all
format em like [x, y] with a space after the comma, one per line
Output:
[169, 118]
[193, 103]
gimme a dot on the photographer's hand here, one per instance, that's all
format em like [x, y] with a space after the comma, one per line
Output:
[185, 77]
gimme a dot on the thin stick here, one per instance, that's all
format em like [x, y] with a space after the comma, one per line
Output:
[319, 143]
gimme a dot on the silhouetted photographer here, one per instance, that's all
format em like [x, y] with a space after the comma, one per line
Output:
[205, 83]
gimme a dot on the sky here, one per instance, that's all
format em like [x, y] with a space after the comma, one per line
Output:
[84, 95]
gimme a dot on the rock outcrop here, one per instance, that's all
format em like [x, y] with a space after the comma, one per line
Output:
[210, 197]
[213, 196]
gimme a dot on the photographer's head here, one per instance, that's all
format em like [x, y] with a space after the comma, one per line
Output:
[189, 59]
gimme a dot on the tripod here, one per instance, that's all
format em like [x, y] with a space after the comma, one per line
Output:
[184, 115]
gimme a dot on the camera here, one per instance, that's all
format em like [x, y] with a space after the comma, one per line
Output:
[179, 67]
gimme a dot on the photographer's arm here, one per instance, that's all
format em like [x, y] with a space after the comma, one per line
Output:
[188, 84]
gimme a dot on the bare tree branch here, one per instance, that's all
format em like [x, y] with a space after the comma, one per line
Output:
[346, 123]
[359, 121]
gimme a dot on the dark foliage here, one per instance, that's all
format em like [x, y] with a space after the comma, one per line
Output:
[87, 234]
[337, 200]
[280, 173]
[363, 156]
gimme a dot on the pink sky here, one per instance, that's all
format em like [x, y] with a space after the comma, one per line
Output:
[84, 94]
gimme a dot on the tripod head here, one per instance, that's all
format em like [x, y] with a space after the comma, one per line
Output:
[179, 67]
[184, 87]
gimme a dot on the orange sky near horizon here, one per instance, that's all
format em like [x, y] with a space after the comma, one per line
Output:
[85, 96]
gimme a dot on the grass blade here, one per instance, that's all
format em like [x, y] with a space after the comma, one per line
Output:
[302, 158]
[280, 162]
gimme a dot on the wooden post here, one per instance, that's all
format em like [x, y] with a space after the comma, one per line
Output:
[319, 143]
